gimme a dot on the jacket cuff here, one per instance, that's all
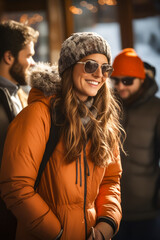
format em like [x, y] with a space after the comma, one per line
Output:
[108, 220]
[59, 235]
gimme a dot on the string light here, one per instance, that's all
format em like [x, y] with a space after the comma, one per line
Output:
[76, 10]
[30, 20]
[94, 10]
[111, 2]
[83, 3]
[90, 6]
[102, 2]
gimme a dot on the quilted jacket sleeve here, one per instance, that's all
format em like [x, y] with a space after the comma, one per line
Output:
[23, 152]
[108, 202]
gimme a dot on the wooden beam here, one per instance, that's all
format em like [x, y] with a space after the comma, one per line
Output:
[56, 28]
[125, 20]
[145, 10]
[19, 5]
[68, 18]
[1, 8]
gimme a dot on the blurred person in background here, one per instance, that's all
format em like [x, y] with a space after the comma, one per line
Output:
[16, 51]
[135, 84]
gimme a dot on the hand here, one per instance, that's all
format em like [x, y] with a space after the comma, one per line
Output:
[98, 235]
[102, 228]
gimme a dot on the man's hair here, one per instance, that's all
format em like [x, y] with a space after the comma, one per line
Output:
[14, 36]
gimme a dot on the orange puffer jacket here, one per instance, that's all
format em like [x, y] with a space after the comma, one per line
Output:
[66, 197]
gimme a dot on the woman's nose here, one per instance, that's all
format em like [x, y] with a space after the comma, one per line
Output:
[98, 72]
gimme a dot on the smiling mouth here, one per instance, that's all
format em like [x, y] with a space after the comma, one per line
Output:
[92, 82]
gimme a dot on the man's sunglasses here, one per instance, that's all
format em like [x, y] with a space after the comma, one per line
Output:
[127, 81]
[90, 66]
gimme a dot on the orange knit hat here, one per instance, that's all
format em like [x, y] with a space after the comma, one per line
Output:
[127, 63]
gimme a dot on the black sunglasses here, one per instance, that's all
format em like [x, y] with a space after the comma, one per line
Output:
[90, 66]
[127, 81]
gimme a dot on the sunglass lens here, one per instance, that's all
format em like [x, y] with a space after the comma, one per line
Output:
[127, 81]
[107, 69]
[115, 80]
[91, 66]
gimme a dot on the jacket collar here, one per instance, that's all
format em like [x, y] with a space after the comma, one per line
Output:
[45, 77]
[5, 83]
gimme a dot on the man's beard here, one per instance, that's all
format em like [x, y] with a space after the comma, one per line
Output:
[134, 97]
[17, 72]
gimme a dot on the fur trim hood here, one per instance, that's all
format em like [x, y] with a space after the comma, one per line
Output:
[150, 71]
[45, 77]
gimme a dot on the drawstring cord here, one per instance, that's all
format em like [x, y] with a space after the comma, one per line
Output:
[80, 168]
[80, 171]
[87, 167]
[76, 171]
[86, 172]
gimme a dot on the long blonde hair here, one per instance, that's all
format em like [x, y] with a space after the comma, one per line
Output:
[104, 131]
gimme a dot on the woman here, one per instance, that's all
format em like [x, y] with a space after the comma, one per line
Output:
[80, 185]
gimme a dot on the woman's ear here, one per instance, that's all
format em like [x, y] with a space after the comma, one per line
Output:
[8, 58]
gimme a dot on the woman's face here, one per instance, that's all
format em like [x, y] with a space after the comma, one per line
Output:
[88, 84]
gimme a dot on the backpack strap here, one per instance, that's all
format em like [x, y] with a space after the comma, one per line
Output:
[7, 103]
[50, 146]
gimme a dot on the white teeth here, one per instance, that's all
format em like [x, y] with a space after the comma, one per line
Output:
[92, 82]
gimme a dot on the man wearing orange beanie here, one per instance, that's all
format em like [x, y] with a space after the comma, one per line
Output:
[135, 85]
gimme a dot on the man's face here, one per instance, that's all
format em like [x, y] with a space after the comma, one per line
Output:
[22, 63]
[126, 91]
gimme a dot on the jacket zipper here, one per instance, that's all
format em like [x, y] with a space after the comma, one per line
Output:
[85, 191]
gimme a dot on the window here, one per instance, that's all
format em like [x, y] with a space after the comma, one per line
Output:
[37, 21]
[95, 16]
[147, 42]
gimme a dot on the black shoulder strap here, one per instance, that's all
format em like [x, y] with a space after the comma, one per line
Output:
[50, 146]
[7, 103]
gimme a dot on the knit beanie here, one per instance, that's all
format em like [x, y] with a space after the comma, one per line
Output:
[80, 45]
[128, 63]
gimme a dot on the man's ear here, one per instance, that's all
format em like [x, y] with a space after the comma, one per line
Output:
[8, 58]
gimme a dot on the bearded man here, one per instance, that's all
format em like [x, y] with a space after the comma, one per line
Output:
[16, 51]
[17, 42]
[135, 84]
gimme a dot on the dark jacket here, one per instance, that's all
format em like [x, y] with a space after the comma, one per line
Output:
[140, 168]
[7, 111]
[7, 114]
